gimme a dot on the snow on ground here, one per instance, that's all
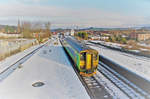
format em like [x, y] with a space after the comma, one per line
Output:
[115, 45]
[115, 92]
[14, 58]
[143, 44]
[48, 65]
[137, 64]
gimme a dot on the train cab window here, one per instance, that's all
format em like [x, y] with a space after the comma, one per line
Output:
[82, 56]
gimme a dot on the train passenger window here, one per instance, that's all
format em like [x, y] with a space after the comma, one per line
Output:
[82, 56]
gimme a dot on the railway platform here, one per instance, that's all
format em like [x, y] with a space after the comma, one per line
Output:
[46, 75]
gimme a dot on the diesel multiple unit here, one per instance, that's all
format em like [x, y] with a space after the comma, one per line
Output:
[85, 58]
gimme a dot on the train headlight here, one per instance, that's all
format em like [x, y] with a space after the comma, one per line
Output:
[82, 56]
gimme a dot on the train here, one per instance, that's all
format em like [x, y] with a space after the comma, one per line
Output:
[85, 58]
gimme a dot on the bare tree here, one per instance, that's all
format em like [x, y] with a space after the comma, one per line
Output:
[47, 28]
[42, 29]
[26, 29]
[19, 27]
[37, 27]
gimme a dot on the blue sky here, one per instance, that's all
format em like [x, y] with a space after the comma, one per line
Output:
[82, 13]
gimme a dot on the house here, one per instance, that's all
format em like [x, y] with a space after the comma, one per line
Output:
[10, 35]
[140, 36]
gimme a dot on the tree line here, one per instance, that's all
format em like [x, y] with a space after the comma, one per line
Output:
[117, 38]
[82, 35]
[28, 29]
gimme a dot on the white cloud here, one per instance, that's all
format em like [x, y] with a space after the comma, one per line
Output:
[62, 16]
[27, 1]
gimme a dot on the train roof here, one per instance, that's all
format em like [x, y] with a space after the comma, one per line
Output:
[79, 46]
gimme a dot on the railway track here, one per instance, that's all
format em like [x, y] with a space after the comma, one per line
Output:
[123, 51]
[92, 86]
[134, 86]
[126, 88]
[128, 83]
[96, 89]
[5, 73]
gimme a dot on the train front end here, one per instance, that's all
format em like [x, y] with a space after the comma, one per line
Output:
[88, 62]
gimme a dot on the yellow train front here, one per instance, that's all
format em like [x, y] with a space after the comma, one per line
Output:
[88, 62]
[85, 58]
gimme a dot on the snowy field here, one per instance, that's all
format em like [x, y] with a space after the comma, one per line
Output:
[137, 64]
[50, 66]
[143, 44]
[114, 45]
[120, 46]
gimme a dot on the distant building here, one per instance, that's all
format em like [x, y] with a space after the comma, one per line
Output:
[95, 37]
[66, 33]
[140, 36]
[39, 35]
[10, 35]
[72, 32]
[143, 36]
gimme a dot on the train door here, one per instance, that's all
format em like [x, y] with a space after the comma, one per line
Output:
[88, 61]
